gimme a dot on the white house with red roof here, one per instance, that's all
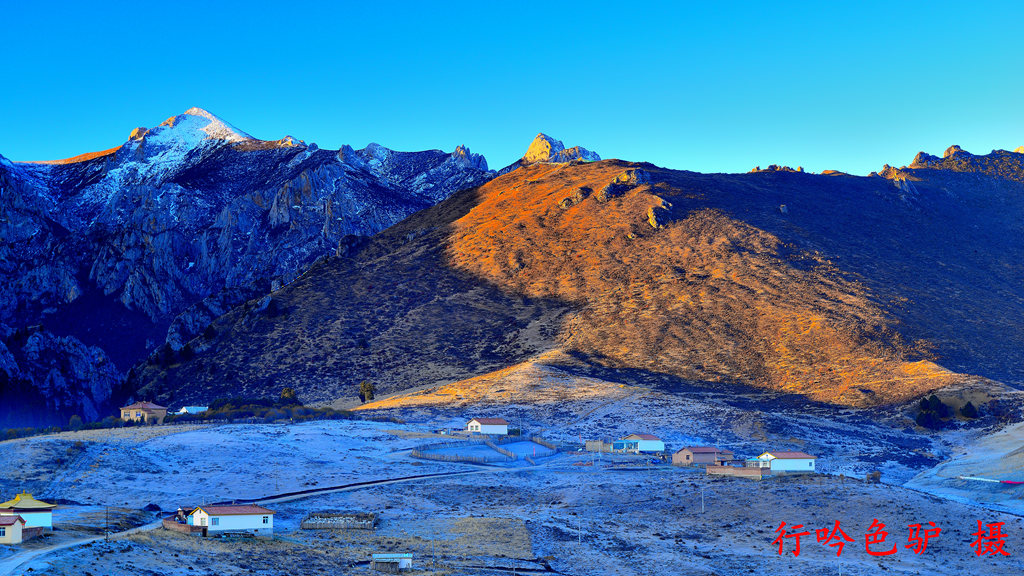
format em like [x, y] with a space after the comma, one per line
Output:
[234, 518]
[786, 461]
[639, 444]
[11, 528]
[488, 426]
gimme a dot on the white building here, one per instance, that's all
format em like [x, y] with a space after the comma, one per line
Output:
[192, 410]
[10, 529]
[787, 462]
[488, 426]
[638, 444]
[234, 518]
[391, 562]
[34, 512]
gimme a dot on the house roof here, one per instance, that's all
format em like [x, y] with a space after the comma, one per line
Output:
[705, 450]
[25, 501]
[490, 421]
[11, 520]
[144, 406]
[233, 510]
[641, 437]
[789, 455]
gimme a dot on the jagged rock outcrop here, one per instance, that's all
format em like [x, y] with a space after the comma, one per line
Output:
[120, 242]
[44, 377]
[623, 182]
[546, 149]
[660, 214]
[998, 163]
[954, 150]
[776, 168]
[923, 160]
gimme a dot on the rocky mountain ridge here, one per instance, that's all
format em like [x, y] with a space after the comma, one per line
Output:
[857, 291]
[104, 252]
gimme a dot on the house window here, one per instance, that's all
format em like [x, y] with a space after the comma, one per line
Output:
[3, 532]
[810, 464]
[266, 519]
[214, 521]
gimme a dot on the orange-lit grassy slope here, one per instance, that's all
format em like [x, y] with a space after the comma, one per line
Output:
[80, 158]
[706, 297]
[536, 382]
[849, 290]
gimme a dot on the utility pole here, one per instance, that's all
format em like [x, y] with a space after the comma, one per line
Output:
[106, 523]
[702, 497]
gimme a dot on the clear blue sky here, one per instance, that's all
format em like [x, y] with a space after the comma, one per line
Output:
[696, 86]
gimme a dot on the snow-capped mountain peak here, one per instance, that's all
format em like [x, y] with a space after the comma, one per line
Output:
[212, 126]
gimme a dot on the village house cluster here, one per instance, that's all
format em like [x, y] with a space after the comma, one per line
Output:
[714, 460]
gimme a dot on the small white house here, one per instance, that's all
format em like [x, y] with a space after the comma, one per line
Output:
[639, 444]
[11, 529]
[192, 410]
[787, 462]
[234, 518]
[35, 512]
[488, 426]
[391, 562]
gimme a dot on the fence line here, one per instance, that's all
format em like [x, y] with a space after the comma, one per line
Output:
[458, 458]
[543, 442]
[494, 443]
[508, 453]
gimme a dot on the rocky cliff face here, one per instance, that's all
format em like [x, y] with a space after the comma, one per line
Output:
[546, 149]
[103, 252]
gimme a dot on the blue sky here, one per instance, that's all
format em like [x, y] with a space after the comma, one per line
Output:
[712, 87]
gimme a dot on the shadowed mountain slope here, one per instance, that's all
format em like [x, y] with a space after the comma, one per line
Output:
[849, 290]
[105, 256]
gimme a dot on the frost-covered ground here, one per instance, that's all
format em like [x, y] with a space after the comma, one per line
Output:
[572, 514]
[176, 466]
[570, 408]
[563, 518]
[997, 456]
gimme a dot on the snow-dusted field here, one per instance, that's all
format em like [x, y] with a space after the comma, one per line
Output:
[573, 514]
[561, 518]
[171, 466]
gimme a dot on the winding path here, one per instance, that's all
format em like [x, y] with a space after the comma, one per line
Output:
[11, 564]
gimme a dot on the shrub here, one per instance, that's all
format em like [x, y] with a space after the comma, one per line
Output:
[75, 422]
[366, 390]
[969, 411]
[288, 397]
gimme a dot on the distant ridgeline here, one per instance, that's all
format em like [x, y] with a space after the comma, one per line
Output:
[195, 262]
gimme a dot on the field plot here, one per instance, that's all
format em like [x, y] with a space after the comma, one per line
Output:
[503, 451]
